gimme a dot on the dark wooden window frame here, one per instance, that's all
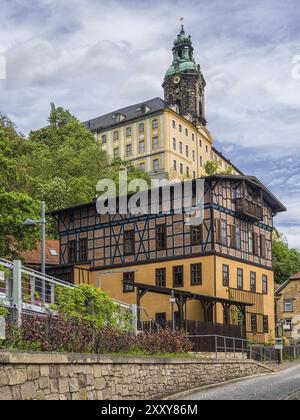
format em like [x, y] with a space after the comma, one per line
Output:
[240, 279]
[225, 275]
[161, 238]
[83, 249]
[161, 277]
[128, 277]
[72, 252]
[197, 235]
[178, 276]
[254, 323]
[196, 274]
[265, 286]
[129, 236]
[253, 281]
[266, 324]
[161, 319]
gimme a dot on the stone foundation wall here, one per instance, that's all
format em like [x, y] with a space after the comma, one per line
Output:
[40, 376]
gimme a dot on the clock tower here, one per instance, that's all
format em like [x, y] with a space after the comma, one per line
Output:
[184, 83]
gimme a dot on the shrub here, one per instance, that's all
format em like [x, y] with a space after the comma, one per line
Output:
[91, 306]
[52, 333]
[164, 341]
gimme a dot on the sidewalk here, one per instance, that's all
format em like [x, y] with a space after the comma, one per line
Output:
[285, 365]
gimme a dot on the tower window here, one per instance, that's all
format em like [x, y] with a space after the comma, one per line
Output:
[187, 151]
[180, 128]
[174, 124]
[194, 155]
[174, 144]
[193, 137]
[186, 132]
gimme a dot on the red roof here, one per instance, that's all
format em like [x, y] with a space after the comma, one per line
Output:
[52, 254]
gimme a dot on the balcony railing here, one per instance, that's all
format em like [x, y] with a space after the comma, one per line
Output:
[249, 210]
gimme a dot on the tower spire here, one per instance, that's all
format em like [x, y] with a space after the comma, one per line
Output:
[184, 83]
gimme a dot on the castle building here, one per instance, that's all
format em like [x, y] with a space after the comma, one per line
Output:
[166, 138]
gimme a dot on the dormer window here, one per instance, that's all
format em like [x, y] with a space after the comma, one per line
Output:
[119, 117]
[144, 109]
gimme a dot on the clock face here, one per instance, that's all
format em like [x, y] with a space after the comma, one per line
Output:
[176, 80]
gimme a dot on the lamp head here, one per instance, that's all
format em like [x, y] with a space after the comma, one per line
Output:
[29, 223]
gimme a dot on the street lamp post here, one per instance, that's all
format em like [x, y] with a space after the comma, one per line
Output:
[31, 223]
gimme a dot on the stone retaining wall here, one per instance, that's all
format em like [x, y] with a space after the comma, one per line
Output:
[43, 376]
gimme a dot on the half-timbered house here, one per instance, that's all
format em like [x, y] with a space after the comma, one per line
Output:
[219, 271]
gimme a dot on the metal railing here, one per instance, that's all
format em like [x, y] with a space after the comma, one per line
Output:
[230, 347]
[23, 290]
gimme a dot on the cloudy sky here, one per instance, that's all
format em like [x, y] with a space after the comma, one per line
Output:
[94, 56]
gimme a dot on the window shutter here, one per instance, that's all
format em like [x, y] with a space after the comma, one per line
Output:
[263, 245]
[233, 236]
[219, 231]
[255, 243]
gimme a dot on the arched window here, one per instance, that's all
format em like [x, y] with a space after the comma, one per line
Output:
[178, 106]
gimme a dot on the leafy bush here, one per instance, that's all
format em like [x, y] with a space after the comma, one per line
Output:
[3, 312]
[60, 334]
[164, 341]
[91, 306]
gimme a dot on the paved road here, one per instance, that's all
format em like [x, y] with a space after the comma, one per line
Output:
[276, 386]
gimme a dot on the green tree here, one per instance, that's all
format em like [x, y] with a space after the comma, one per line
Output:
[286, 261]
[212, 168]
[65, 162]
[14, 238]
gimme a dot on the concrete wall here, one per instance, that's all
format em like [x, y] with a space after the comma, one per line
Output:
[31, 376]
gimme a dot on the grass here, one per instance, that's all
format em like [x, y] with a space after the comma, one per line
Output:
[138, 353]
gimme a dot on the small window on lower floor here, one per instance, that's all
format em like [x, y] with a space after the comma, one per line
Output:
[288, 305]
[128, 277]
[161, 277]
[178, 276]
[161, 319]
[266, 324]
[253, 323]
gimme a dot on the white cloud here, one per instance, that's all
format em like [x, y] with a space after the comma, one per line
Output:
[93, 57]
